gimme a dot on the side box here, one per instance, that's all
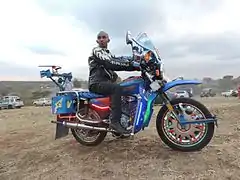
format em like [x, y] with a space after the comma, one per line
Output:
[63, 104]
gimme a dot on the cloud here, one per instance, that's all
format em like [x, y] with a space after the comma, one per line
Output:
[112, 16]
[45, 51]
[26, 25]
[224, 46]
[12, 72]
[187, 33]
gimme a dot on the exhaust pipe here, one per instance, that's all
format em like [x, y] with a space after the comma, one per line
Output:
[81, 126]
[81, 118]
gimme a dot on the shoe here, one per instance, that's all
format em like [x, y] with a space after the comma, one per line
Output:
[118, 128]
[121, 136]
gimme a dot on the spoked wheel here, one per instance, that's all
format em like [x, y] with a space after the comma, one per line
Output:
[89, 137]
[191, 137]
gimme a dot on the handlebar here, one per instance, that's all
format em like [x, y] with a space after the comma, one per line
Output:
[48, 74]
[63, 80]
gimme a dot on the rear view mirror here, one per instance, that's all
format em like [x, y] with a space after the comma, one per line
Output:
[128, 38]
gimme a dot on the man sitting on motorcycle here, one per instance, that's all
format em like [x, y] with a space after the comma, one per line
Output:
[102, 65]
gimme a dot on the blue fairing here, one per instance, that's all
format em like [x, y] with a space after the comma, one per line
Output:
[172, 84]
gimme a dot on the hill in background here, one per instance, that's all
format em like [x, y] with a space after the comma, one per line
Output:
[30, 90]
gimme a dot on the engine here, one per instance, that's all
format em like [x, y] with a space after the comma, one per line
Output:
[129, 105]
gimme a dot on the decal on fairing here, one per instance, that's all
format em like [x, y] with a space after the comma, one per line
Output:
[58, 105]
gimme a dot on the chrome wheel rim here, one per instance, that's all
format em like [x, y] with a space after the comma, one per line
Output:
[187, 135]
[88, 135]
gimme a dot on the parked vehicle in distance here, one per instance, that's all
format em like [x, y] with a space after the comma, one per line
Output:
[230, 93]
[182, 93]
[207, 92]
[11, 103]
[189, 90]
[42, 102]
[10, 97]
[235, 93]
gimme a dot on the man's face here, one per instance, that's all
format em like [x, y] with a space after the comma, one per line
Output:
[102, 40]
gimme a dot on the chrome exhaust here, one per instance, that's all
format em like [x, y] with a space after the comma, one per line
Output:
[81, 118]
[81, 126]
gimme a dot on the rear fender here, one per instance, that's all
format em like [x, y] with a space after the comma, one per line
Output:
[175, 83]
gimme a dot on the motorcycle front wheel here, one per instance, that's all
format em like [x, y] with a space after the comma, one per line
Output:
[191, 137]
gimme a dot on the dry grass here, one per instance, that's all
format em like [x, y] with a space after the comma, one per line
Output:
[28, 151]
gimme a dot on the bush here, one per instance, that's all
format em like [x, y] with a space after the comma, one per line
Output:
[77, 83]
[40, 94]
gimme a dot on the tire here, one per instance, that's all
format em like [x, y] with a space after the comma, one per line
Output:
[101, 134]
[207, 136]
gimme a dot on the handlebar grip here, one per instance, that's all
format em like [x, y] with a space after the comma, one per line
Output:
[48, 74]
[45, 73]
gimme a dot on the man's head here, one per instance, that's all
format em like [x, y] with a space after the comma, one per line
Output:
[103, 39]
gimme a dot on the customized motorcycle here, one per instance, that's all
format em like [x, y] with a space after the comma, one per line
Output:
[184, 124]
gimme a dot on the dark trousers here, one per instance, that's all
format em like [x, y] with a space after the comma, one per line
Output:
[115, 92]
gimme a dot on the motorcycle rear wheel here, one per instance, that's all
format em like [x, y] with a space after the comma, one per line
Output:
[83, 135]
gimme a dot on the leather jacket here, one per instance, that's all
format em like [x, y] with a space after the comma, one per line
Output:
[102, 65]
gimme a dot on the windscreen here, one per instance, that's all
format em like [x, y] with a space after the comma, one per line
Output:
[144, 41]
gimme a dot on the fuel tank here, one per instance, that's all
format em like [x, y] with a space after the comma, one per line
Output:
[131, 85]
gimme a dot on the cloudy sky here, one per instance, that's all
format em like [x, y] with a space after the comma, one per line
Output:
[196, 38]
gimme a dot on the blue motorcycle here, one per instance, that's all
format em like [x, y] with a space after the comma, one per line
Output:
[183, 124]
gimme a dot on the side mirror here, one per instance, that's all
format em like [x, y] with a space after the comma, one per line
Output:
[128, 38]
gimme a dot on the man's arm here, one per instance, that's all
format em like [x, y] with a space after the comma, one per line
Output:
[112, 63]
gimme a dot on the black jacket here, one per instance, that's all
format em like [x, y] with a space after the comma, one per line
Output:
[102, 65]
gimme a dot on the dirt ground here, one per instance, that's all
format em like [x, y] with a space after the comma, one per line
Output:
[28, 150]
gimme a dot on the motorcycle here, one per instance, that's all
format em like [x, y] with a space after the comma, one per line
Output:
[183, 124]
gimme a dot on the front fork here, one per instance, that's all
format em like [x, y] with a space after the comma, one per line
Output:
[181, 116]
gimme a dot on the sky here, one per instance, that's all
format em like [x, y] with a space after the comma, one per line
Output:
[196, 38]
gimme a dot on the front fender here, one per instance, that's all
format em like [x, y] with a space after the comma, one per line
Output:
[172, 84]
